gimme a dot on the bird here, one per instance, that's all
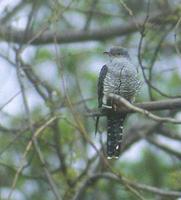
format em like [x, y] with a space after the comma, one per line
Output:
[119, 76]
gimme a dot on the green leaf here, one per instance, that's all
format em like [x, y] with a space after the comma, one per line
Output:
[43, 55]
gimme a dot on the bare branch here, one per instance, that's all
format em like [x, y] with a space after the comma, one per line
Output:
[125, 106]
[142, 111]
[169, 133]
[90, 14]
[168, 104]
[138, 132]
[96, 177]
[148, 80]
[28, 147]
[32, 141]
[164, 147]
[10, 100]
[9, 15]
[14, 35]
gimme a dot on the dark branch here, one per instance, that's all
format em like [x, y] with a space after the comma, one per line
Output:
[120, 103]
[164, 147]
[109, 176]
[14, 35]
[169, 104]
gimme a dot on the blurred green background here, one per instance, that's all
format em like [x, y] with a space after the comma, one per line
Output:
[51, 53]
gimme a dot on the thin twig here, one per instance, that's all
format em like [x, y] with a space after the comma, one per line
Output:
[28, 147]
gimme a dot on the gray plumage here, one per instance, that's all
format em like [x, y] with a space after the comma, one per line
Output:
[119, 76]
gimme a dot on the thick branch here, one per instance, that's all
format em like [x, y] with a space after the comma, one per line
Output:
[124, 103]
[14, 35]
[173, 134]
[164, 147]
[138, 132]
[168, 104]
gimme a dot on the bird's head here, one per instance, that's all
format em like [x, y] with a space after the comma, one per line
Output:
[117, 52]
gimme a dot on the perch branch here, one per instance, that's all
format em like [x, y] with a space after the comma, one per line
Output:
[143, 108]
[168, 104]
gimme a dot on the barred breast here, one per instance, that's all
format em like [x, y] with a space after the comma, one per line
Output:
[122, 79]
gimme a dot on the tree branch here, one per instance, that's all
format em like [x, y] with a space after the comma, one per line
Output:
[148, 114]
[137, 132]
[94, 178]
[14, 35]
[170, 133]
[164, 147]
[168, 104]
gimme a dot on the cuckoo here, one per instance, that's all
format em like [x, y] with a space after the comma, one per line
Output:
[119, 76]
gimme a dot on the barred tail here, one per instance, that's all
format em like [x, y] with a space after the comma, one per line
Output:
[114, 134]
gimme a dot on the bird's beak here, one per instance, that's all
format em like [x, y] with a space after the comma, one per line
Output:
[106, 53]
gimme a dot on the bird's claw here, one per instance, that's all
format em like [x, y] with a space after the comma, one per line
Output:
[114, 106]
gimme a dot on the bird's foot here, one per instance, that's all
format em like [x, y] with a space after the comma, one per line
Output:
[114, 106]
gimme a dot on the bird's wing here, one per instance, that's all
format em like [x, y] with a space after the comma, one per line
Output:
[100, 85]
[100, 88]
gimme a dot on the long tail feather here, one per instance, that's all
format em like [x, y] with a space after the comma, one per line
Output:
[114, 134]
